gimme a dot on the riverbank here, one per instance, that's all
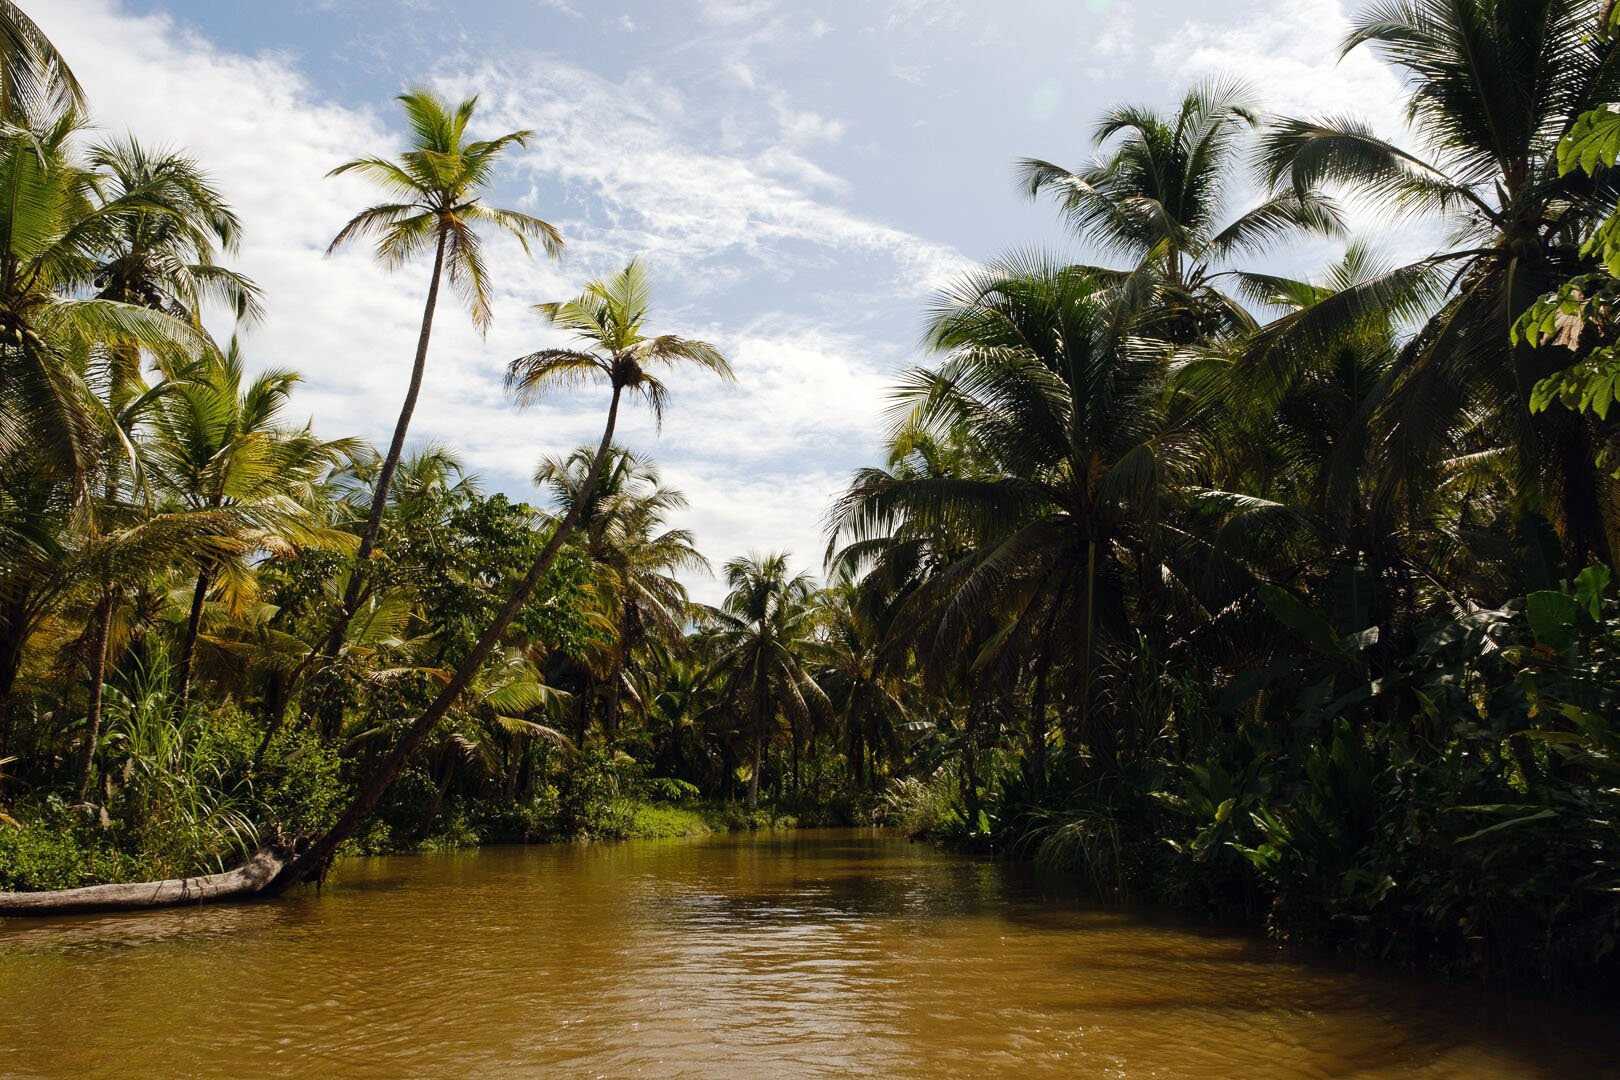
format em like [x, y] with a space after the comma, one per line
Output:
[795, 952]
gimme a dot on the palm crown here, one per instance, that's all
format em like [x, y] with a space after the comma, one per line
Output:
[1161, 194]
[437, 185]
[607, 321]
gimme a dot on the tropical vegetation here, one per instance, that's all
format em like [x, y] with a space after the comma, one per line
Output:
[1281, 599]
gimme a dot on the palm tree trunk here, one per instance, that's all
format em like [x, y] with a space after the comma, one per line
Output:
[794, 733]
[1037, 716]
[317, 856]
[758, 708]
[13, 636]
[98, 676]
[385, 477]
[1085, 649]
[188, 644]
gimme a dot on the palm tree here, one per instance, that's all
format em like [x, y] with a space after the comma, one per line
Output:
[1160, 196]
[218, 444]
[34, 78]
[763, 635]
[163, 255]
[1077, 450]
[437, 187]
[159, 254]
[634, 556]
[608, 323]
[1495, 85]
[55, 229]
[863, 675]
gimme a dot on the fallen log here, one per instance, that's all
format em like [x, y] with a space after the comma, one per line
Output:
[253, 877]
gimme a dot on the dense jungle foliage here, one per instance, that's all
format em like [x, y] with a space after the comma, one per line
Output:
[1283, 601]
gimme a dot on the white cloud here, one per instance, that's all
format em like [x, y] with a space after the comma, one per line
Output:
[926, 14]
[627, 24]
[915, 74]
[624, 167]
[1117, 40]
[801, 126]
[733, 12]
[1288, 51]
[661, 193]
[562, 7]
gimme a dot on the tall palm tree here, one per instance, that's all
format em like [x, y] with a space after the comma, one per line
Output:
[160, 254]
[863, 676]
[1161, 194]
[764, 634]
[437, 188]
[1495, 84]
[1078, 453]
[219, 444]
[608, 322]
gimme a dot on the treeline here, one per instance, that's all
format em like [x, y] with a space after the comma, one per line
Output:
[1279, 600]
[1287, 600]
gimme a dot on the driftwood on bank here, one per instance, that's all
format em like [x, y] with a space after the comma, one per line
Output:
[257, 875]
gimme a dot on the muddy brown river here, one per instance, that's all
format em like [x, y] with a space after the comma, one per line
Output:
[836, 953]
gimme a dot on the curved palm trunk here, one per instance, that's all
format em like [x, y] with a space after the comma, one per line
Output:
[317, 856]
[188, 645]
[247, 880]
[385, 477]
[98, 676]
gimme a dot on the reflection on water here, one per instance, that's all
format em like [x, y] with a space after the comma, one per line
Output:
[803, 954]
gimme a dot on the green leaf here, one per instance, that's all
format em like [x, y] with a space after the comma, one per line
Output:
[1590, 585]
[1295, 614]
[1552, 618]
[1540, 815]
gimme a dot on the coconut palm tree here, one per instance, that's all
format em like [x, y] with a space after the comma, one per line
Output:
[635, 558]
[218, 444]
[1078, 450]
[863, 676]
[55, 230]
[608, 323]
[163, 256]
[436, 189]
[1495, 84]
[34, 78]
[1161, 196]
[764, 635]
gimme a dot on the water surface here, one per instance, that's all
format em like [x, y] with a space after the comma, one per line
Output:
[801, 954]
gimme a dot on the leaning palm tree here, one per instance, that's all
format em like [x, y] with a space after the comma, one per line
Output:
[764, 635]
[218, 444]
[1495, 85]
[1161, 194]
[436, 189]
[608, 322]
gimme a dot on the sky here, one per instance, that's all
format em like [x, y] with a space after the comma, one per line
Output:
[800, 179]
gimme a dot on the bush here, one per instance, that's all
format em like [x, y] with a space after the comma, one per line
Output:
[52, 847]
[921, 807]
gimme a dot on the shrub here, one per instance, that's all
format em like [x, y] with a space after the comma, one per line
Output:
[52, 847]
